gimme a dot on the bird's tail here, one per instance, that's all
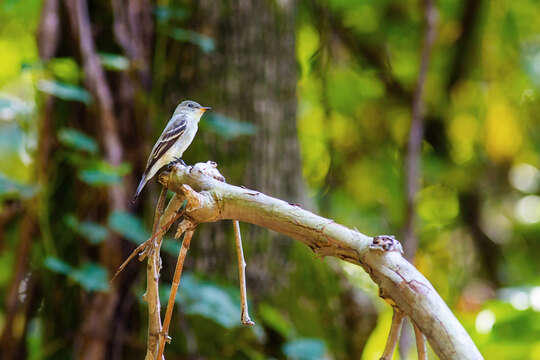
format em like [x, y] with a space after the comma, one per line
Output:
[140, 187]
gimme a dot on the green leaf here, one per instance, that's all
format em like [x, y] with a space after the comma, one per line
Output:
[207, 299]
[274, 320]
[171, 246]
[204, 42]
[227, 127]
[58, 266]
[66, 69]
[91, 276]
[92, 231]
[129, 226]
[77, 140]
[10, 189]
[114, 62]
[165, 13]
[97, 177]
[65, 91]
[102, 173]
[304, 349]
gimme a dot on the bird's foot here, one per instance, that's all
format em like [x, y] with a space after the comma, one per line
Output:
[179, 160]
[176, 160]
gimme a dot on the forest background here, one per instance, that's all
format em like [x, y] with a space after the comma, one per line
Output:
[313, 102]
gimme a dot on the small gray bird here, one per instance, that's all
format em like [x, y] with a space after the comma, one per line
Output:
[174, 140]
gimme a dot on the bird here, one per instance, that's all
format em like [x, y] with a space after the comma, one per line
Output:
[174, 140]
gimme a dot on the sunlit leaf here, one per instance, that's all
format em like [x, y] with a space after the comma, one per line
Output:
[91, 276]
[65, 69]
[77, 140]
[129, 226]
[204, 42]
[304, 349]
[114, 62]
[227, 127]
[65, 91]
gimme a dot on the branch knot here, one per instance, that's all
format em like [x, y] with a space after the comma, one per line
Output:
[386, 243]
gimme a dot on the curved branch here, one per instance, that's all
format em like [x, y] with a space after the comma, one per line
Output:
[399, 282]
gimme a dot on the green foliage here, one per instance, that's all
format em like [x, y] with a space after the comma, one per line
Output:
[114, 62]
[205, 43]
[129, 226]
[227, 127]
[92, 231]
[166, 13]
[304, 349]
[273, 319]
[101, 173]
[207, 299]
[65, 69]
[354, 108]
[77, 140]
[91, 276]
[65, 91]
[10, 189]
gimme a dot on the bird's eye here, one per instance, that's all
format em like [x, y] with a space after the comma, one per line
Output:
[190, 105]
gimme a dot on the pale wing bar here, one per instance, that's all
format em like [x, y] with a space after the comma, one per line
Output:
[165, 142]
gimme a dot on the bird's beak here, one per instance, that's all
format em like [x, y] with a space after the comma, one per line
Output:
[205, 108]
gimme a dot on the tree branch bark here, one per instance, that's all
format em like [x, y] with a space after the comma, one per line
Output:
[399, 282]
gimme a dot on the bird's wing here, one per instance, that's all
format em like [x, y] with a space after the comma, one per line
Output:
[170, 135]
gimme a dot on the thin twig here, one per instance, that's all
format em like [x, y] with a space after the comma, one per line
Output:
[244, 318]
[160, 207]
[152, 281]
[420, 343]
[144, 246]
[174, 288]
[395, 329]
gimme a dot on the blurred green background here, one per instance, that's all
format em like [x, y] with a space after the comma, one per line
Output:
[312, 103]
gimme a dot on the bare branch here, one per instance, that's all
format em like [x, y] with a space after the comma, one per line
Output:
[399, 282]
[153, 267]
[420, 343]
[174, 287]
[393, 335]
[244, 318]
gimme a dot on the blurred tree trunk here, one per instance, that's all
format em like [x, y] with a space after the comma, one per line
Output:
[251, 77]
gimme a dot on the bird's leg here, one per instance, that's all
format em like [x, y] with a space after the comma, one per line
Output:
[179, 160]
[176, 160]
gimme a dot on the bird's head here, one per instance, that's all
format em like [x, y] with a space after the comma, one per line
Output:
[192, 107]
